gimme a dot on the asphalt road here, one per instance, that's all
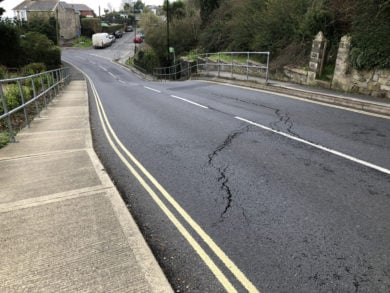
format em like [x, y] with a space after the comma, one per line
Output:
[245, 190]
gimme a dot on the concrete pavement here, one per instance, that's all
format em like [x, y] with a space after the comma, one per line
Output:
[63, 225]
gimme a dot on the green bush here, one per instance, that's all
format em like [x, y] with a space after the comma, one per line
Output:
[146, 59]
[370, 35]
[38, 48]
[33, 68]
[4, 139]
[13, 97]
[112, 28]
[42, 26]
[3, 72]
[90, 26]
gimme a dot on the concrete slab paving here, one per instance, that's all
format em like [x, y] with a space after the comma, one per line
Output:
[63, 224]
[69, 246]
[34, 176]
[59, 123]
[43, 142]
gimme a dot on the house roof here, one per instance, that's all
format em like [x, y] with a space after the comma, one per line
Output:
[76, 7]
[37, 5]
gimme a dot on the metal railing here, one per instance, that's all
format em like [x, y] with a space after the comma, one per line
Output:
[19, 94]
[174, 72]
[247, 65]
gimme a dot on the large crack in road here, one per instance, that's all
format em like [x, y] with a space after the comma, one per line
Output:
[222, 178]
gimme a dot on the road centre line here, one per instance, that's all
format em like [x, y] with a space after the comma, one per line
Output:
[179, 98]
[188, 101]
[152, 89]
[204, 236]
[101, 67]
[334, 152]
[112, 74]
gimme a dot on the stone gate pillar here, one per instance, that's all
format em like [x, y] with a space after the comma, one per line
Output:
[341, 80]
[317, 57]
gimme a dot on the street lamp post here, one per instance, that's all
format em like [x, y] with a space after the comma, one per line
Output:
[135, 28]
[169, 61]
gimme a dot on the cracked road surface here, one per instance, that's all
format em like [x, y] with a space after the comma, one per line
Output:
[295, 194]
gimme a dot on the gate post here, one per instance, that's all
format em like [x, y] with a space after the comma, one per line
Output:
[317, 57]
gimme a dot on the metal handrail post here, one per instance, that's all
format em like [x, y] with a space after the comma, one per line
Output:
[10, 128]
[43, 89]
[60, 79]
[54, 83]
[62, 74]
[266, 74]
[231, 54]
[207, 66]
[23, 102]
[35, 95]
[219, 64]
[57, 81]
[247, 67]
[48, 86]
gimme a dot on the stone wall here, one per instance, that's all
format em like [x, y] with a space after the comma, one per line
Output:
[374, 82]
[296, 75]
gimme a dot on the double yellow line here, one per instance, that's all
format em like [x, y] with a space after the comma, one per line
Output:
[130, 162]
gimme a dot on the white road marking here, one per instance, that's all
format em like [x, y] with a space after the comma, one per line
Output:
[188, 101]
[102, 68]
[152, 89]
[112, 74]
[334, 152]
[121, 81]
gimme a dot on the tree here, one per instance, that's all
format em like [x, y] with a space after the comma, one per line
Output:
[2, 10]
[139, 6]
[45, 27]
[36, 47]
[9, 45]
[206, 9]
[126, 7]
[370, 35]
[184, 30]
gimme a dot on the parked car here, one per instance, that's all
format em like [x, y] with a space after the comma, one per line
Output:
[142, 36]
[112, 38]
[129, 28]
[118, 34]
[138, 40]
[101, 40]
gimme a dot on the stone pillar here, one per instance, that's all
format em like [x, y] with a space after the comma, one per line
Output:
[317, 57]
[340, 78]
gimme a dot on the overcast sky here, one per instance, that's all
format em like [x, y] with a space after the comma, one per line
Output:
[94, 4]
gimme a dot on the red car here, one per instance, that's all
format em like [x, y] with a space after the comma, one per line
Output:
[138, 40]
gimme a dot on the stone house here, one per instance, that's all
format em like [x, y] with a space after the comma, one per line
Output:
[67, 15]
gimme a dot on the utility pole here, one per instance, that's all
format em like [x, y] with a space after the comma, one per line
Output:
[135, 29]
[169, 61]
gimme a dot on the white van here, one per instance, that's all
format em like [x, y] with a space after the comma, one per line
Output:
[101, 40]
